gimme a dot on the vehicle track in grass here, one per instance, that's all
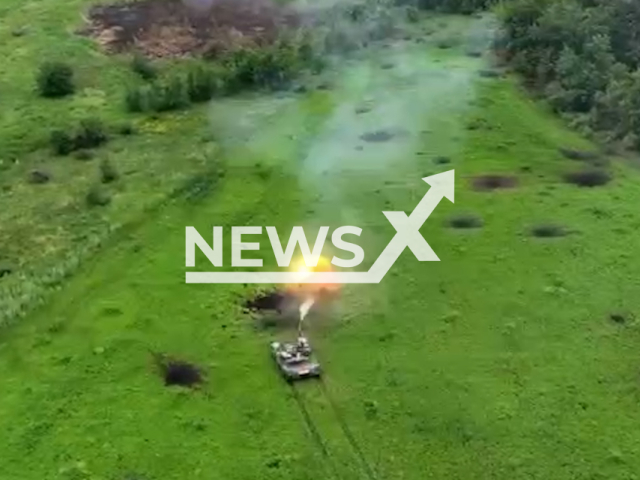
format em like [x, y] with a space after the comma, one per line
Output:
[370, 473]
[334, 443]
[315, 434]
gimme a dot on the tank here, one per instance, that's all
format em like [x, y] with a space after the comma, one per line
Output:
[295, 360]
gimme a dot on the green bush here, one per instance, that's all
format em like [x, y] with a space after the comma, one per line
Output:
[138, 99]
[270, 67]
[108, 172]
[55, 79]
[91, 133]
[172, 95]
[159, 96]
[202, 84]
[97, 197]
[413, 14]
[83, 155]
[126, 129]
[143, 67]
[61, 142]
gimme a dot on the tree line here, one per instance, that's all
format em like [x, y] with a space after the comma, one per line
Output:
[581, 55]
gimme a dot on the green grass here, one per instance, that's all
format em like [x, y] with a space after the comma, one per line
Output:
[497, 362]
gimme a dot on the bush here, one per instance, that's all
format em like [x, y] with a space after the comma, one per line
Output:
[172, 95]
[39, 176]
[84, 155]
[203, 84]
[97, 197]
[137, 99]
[108, 172]
[61, 142]
[262, 67]
[55, 79]
[143, 67]
[158, 97]
[91, 134]
[413, 14]
[126, 129]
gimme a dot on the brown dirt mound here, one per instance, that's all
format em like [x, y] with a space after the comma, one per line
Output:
[493, 182]
[176, 28]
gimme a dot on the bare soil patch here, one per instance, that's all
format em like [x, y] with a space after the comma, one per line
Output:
[274, 301]
[465, 221]
[493, 182]
[179, 372]
[378, 136]
[582, 155]
[177, 28]
[548, 230]
[621, 317]
[588, 178]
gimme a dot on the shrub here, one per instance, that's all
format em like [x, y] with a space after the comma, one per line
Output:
[413, 14]
[126, 129]
[203, 84]
[265, 67]
[108, 172]
[97, 197]
[172, 95]
[138, 99]
[61, 142]
[84, 155]
[143, 67]
[158, 97]
[91, 133]
[39, 176]
[55, 79]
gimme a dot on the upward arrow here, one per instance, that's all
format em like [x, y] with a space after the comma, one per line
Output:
[442, 186]
[407, 227]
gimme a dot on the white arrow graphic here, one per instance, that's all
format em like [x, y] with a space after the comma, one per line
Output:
[407, 235]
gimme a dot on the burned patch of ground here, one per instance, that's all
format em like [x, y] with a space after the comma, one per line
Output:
[582, 155]
[621, 317]
[442, 160]
[465, 221]
[491, 182]
[167, 28]
[588, 178]
[179, 372]
[548, 230]
[379, 136]
[274, 301]
[274, 310]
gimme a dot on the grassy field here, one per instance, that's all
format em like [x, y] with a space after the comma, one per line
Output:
[501, 361]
